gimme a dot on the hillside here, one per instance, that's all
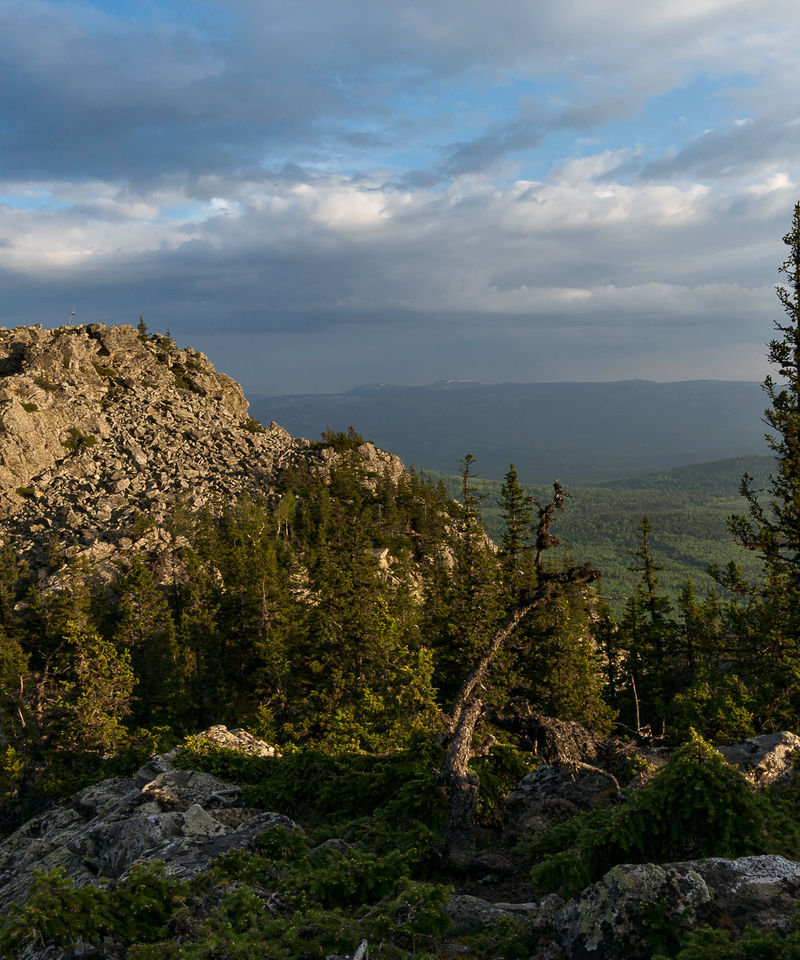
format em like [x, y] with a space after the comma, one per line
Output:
[579, 432]
[688, 509]
[422, 761]
[104, 431]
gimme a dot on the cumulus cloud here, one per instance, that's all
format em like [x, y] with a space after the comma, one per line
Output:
[423, 188]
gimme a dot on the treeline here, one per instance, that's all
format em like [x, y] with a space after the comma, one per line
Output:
[688, 507]
[345, 613]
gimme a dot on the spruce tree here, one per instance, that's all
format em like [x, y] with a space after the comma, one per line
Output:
[774, 532]
[769, 627]
[516, 508]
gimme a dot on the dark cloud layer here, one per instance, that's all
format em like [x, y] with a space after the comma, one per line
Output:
[414, 191]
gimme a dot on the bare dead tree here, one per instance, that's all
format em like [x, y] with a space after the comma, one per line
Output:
[455, 774]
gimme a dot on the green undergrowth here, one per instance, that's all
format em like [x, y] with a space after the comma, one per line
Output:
[359, 870]
[396, 789]
[697, 806]
[708, 944]
[286, 900]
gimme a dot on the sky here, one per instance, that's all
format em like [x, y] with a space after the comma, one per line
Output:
[324, 193]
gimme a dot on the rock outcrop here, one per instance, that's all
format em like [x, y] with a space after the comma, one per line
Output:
[185, 818]
[768, 760]
[103, 430]
[616, 918]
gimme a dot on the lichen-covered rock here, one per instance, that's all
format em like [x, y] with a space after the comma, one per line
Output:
[239, 740]
[184, 817]
[629, 911]
[767, 759]
[551, 794]
[470, 915]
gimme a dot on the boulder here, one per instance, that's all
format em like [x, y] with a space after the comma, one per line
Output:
[470, 915]
[630, 912]
[551, 794]
[239, 740]
[765, 760]
[186, 818]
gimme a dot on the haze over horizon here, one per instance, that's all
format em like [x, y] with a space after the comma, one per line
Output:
[338, 193]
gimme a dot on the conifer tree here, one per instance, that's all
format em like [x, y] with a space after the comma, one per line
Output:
[769, 627]
[516, 508]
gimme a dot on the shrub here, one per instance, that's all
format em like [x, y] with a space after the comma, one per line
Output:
[75, 440]
[44, 383]
[340, 440]
[254, 426]
[698, 806]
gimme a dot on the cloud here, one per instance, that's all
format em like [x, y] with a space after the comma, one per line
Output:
[421, 182]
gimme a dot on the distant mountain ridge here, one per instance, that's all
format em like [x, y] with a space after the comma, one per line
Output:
[579, 432]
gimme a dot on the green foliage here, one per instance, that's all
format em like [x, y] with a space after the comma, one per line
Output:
[709, 944]
[505, 938]
[30, 407]
[26, 492]
[516, 510]
[697, 806]
[76, 440]
[397, 788]
[45, 384]
[92, 693]
[341, 440]
[287, 900]
[102, 370]
[57, 912]
[499, 772]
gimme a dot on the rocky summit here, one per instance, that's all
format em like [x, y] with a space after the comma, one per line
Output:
[104, 429]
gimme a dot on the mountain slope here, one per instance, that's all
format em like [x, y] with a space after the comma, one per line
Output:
[579, 432]
[102, 431]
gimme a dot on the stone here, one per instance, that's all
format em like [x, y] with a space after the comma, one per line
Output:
[470, 915]
[239, 740]
[198, 823]
[127, 406]
[104, 830]
[612, 918]
[767, 759]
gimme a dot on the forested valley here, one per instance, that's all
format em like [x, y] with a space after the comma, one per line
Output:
[365, 625]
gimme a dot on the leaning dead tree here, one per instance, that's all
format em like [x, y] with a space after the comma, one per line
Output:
[455, 774]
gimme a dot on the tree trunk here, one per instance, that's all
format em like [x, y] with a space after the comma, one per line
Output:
[461, 784]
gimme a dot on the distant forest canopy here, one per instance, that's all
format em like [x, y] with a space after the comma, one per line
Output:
[579, 432]
[688, 509]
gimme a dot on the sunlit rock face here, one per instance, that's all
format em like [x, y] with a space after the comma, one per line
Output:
[104, 430]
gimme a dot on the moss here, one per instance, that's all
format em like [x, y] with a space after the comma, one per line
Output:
[25, 491]
[103, 371]
[30, 407]
[44, 383]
